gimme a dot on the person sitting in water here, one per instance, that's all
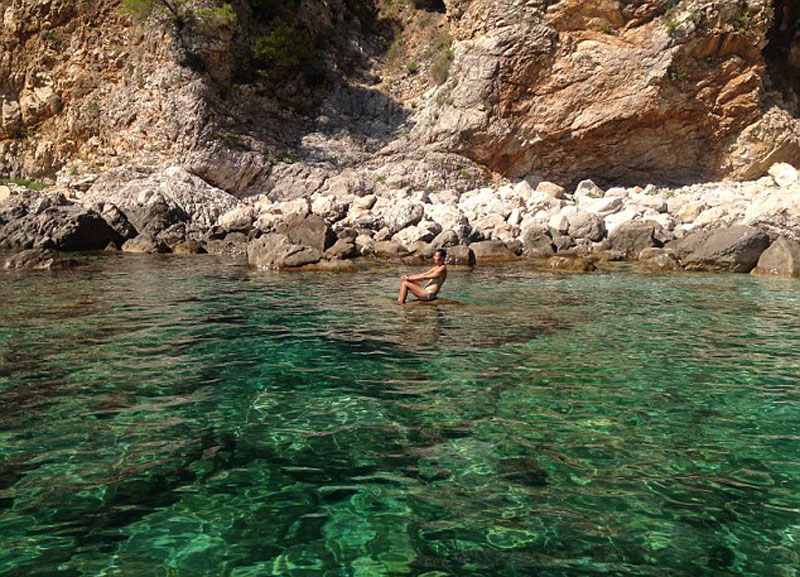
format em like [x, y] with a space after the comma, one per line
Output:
[434, 276]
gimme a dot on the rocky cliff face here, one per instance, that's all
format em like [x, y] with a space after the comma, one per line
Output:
[634, 91]
[649, 90]
[81, 89]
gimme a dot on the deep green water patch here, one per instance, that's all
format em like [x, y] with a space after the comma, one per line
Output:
[185, 417]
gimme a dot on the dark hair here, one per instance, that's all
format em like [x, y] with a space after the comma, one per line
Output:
[441, 251]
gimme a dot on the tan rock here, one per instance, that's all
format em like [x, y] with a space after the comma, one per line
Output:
[783, 174]
[551, 189]
[572, 264]
[568, 81]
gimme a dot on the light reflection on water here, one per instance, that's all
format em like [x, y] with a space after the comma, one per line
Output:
[161, 416]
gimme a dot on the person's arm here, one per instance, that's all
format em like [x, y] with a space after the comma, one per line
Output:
[434, 272]
[425, 275]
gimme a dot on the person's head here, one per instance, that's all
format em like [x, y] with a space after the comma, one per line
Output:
[439, 256]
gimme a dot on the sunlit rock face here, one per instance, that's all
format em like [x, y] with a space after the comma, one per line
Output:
[622, 91]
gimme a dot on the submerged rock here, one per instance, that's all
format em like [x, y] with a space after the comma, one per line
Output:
[570, 263]
[658, 260]
[145, 244]
[38, 259]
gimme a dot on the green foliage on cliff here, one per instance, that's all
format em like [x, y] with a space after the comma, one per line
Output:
[32, 184]
[441, 57]
[286, 47]
[183, 12]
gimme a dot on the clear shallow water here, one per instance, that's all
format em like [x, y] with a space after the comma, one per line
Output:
[168, 417]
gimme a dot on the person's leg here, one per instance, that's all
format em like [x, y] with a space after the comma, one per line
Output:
[413, 286]
[419, 292]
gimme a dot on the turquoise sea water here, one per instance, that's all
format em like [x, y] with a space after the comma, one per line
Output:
[186, 417]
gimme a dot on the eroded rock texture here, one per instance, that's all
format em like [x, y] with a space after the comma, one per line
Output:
[622, 91]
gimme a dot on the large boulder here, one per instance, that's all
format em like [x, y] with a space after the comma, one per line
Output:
[635, 236]
[277, 251]
[233, 245]
[776, 214]
[492, 251]
[66, 228]
[461, 255]
[586, 225]
[154, 199]
[733, 249]
[309, 230]
[781, 259]
[117, 220]
[343, 248]
[685, 246]
[388, 249]
[537, 242]
[402, 214]
[783, 174]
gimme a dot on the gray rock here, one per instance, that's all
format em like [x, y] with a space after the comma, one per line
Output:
[584, 224]
[587, 188]
[563, 242]
[388, 249]
[310, 230]
[461, 255]
[537, 242]
[403, 214]
[333, 265]
[155, 199]
[174, 234]
[781, 259]
[233, 245]
[784, 174]
[635, 236]
[117, 220]
[685, 246]
[239, 219]
[38, 259]
[65, 228]
[343, 249]
[277, 251]
[733, 249]
[445, 239]
[492, 251]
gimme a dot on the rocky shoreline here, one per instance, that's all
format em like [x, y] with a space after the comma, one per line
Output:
[728, 226]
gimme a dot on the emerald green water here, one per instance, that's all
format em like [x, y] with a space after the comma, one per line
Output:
[169, 417]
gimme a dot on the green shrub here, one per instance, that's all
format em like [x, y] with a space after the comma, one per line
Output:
[32, 184]
[672, 27]
[286, 46]
[231, 138]
[181, 13]
[441, 56]
[742, 23]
